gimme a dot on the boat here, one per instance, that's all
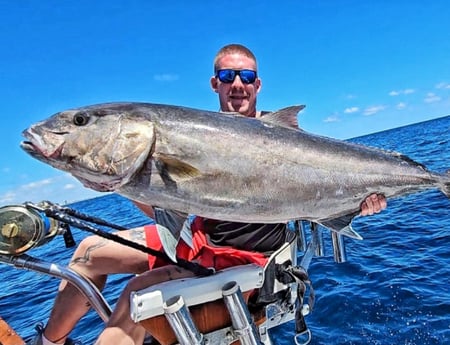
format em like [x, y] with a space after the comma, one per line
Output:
[209, 309]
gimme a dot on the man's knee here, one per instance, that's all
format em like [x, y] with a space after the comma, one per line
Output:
[88, 244]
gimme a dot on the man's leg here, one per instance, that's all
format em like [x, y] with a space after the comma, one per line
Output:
[121, 330]
[94, 258]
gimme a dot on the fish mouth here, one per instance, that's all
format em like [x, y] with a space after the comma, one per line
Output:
[52, 159]
[36, 151]
[37, 147]
[32, 149]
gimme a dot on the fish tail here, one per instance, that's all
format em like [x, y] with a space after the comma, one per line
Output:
[446, 185]
[446, 188]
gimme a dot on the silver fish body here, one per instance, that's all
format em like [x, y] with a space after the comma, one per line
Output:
[223, 166]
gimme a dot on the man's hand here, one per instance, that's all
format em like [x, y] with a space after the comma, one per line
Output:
[374, 203]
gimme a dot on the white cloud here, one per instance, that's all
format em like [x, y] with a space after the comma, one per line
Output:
[401, 92]
[431, 98]
[350, 96]
[333, 118]
[443, 86]
[36, 184]
[351, 110]
[69, 186]
[58, 189]
[32, 191]
[166, 77]
[373, 109]
[401, 106]
[8, 198]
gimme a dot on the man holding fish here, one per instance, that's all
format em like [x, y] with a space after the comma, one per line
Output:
[237, 84]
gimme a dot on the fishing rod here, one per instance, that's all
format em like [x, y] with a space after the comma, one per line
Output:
[41, 220]
[91, 219]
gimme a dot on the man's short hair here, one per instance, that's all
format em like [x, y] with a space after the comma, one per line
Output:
[232, 49]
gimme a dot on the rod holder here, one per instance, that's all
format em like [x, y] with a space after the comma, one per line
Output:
[317, 233]
[302, 243]
[181, 322]
[339, 252]
[242, 322]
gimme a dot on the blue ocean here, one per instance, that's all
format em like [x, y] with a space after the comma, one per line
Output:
[393, 289]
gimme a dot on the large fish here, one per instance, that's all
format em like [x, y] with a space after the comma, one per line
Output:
[223, 166]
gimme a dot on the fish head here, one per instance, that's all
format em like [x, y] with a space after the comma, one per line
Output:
[102, 146]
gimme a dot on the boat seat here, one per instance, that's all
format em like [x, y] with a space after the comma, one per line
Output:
[203, 297]
[149, 302]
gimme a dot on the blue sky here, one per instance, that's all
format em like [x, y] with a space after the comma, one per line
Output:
[359, 66]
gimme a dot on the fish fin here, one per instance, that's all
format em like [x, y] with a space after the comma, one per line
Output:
[286, 117]
[342, 225]
[186, 233]
[350, 232]
[175, 167]
[406, 159]
[168, 241]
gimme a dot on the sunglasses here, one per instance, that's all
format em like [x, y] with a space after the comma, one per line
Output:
[228, 75]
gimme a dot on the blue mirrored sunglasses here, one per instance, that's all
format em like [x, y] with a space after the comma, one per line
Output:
[227, 75]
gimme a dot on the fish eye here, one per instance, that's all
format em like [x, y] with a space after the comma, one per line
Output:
[80, 119]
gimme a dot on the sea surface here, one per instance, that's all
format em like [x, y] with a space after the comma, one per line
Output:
[394, 288]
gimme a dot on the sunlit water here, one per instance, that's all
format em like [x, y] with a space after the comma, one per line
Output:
[394, 288]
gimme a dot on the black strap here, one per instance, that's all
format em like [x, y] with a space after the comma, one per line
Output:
[286, 273]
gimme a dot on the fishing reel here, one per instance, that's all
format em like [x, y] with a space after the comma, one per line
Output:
[26, 226]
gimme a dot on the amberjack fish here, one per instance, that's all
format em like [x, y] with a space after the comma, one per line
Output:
[223, 166]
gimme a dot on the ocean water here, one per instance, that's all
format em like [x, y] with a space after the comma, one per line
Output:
[394, 288]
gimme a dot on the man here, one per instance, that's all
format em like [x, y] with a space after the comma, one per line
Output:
[236, 82]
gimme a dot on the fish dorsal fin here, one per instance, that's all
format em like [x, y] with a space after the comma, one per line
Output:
[173, 169]
[406, 159]
[286, 117]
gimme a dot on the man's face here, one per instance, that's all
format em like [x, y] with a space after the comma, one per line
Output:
[237, 96]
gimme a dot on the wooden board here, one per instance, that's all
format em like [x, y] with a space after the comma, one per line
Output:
[8, 336]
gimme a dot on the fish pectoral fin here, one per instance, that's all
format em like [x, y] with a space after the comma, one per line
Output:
[175, 168]
[342, 225]
[286, 117]
[168, 241]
